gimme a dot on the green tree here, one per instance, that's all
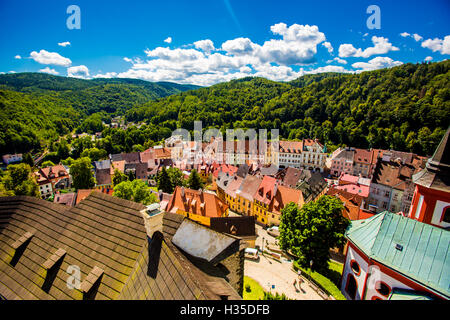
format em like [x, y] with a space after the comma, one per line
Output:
[81, 172]
[164, 182]
[118, 177]
[19, 180]
[310, 232]
[194, 181]
[136, 191]
[47, 163]
[94, 154]
[28, 159]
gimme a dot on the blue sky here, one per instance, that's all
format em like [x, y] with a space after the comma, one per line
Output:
[206, 42]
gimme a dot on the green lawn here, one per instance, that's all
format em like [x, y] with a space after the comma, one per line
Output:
[256, 291]
[329, 282]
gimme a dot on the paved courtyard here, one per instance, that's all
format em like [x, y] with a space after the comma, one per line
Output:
[269, 272]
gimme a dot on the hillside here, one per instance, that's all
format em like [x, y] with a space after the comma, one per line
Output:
[404, 108]
[36, 108]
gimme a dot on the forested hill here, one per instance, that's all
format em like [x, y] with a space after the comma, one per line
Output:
[90, 96]
[36, 108]
[404, 108]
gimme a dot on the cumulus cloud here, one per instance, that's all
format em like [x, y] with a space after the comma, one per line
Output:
[381, 46]
[18, 57]
[436, 44]
[204, 45]
[52, 58]
[429, 58]
[417, 37]
[64, 44]
[405, 34]
[106, 75]
[168, 40]
[328, 68]
[78, 71]
[376, 63]
[328, 45]
[283, 57]
[49, 71]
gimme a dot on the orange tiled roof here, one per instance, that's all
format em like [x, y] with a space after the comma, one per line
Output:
[196, 202]
[284, 196]
[266, 189]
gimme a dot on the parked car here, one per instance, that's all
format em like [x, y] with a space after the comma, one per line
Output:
[251, 253]
[273, 231]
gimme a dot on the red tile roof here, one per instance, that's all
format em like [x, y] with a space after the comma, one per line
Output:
[266, 190]
[196, 202]
[284, 196]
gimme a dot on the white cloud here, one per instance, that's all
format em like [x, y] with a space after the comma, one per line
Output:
[49, 71]
[204, 45]
[64, 44]
[78, 71]
[168, 40]
[328, 68]
[339, 60]
[106, 75]
[381, 46]
[52, 58]
[429, 58]
[436, 44]
[18, 57]
[365, 35]
[328, 45]
[127, 59]
[405, 34]
[376, 63]
[417, 37]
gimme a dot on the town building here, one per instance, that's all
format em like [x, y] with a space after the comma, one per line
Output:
[307, 154]
[283, 197]
[245, 195]
[397, 257]
[392, 257]
[391, 187]
[431, 198]
[262, 199]
[197, 205]
[11, 158]
[51, 179]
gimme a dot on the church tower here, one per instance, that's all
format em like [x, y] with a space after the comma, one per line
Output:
[431, 200]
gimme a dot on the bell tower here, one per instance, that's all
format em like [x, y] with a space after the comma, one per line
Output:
[431, 200]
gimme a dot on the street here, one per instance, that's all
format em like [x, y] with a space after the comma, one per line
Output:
[269, 272]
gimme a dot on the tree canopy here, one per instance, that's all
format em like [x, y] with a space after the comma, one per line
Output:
[136, 191]
[311, 231]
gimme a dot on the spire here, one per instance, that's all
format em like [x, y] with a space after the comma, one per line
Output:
[436, 174]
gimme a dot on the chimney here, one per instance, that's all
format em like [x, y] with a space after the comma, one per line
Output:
[182, 192]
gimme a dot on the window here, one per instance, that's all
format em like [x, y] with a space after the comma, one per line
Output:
[446, 216]
[351, 287]
[355, 267]
[382, 288]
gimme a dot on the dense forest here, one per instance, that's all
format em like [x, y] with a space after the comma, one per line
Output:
[36, 108]
[404, 108]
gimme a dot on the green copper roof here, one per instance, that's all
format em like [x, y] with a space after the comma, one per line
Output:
[415, 249]
[399, 294]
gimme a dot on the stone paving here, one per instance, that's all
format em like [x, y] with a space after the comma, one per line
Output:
[269, 272]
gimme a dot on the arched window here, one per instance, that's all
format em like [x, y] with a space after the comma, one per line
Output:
[351, 286]
[382, 288]
[355, 267]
